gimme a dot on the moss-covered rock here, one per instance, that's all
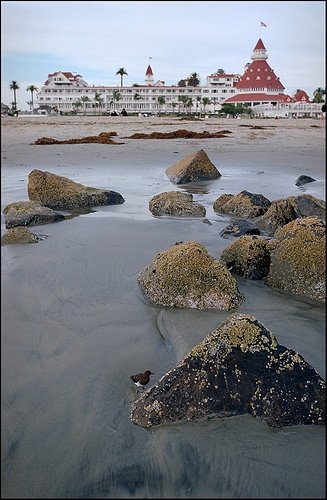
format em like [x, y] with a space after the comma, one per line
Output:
[239, 228]
[19, 235]
[298, 258]
[248, 257]
[243, 204]
[186, 276]
[175, 203]
[29, 213]
[58, 192]
[194, 167]
[238, 368]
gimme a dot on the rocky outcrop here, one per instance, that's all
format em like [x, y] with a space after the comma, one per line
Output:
[175, 203]
[186, 276]
[194, 167]
[283, 211]
[19, 235]
[298, 258]
[244, 204]
[248, 257]
[29, 213]
[59, 192]
[238, 368]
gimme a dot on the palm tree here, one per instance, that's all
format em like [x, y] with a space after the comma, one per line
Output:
[84, 100]
[193, 80]
[30, 103]
[205, 101]
[32, 89]
[98, 101]
[116, 96]
[14, 86]
[161, 102]
[136, 97]
[318, 95]
[198, 101]
[121, 72]
[77, 104]
[183, 99]
[189, 103]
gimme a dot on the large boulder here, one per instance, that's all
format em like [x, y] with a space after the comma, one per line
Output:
[58, 192]
[298, 258]
[186, 276]
[19, 235]
[29, 213]
[238, 368]
[175, 203]
[194, 167]
[243, 204]
[248, 257]
[283, 211]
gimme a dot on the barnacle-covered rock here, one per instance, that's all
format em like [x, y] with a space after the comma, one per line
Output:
[243, 204]
[29, 213]
[283, 211]
[175, 203]
[248, 257]
[298, 258]
[58, 192]
[186, 276]
[194, 167]
[19, 235]
[238, 368]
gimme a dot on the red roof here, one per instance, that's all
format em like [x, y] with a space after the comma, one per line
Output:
[260, 45]
[149, 70]
[257, 97]
[259, 75]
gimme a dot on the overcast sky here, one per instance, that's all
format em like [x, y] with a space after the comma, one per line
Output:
[96, 38]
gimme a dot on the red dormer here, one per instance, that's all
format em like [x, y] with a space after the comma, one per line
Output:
[301, 96]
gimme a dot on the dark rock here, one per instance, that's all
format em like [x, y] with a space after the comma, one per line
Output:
[239, 368]
[239, 228]
[303, 179]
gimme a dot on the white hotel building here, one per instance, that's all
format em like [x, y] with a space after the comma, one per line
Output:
[62, 89]
[258, 87]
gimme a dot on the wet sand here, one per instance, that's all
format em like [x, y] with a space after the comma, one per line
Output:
[75, 324]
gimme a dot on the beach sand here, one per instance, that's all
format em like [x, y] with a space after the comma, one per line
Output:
[75, 324]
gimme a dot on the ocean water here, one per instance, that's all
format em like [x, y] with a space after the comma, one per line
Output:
[75, 325]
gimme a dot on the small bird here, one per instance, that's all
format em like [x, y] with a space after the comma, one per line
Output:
[141, 379]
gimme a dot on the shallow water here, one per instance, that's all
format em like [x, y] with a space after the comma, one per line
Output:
[75, 325]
